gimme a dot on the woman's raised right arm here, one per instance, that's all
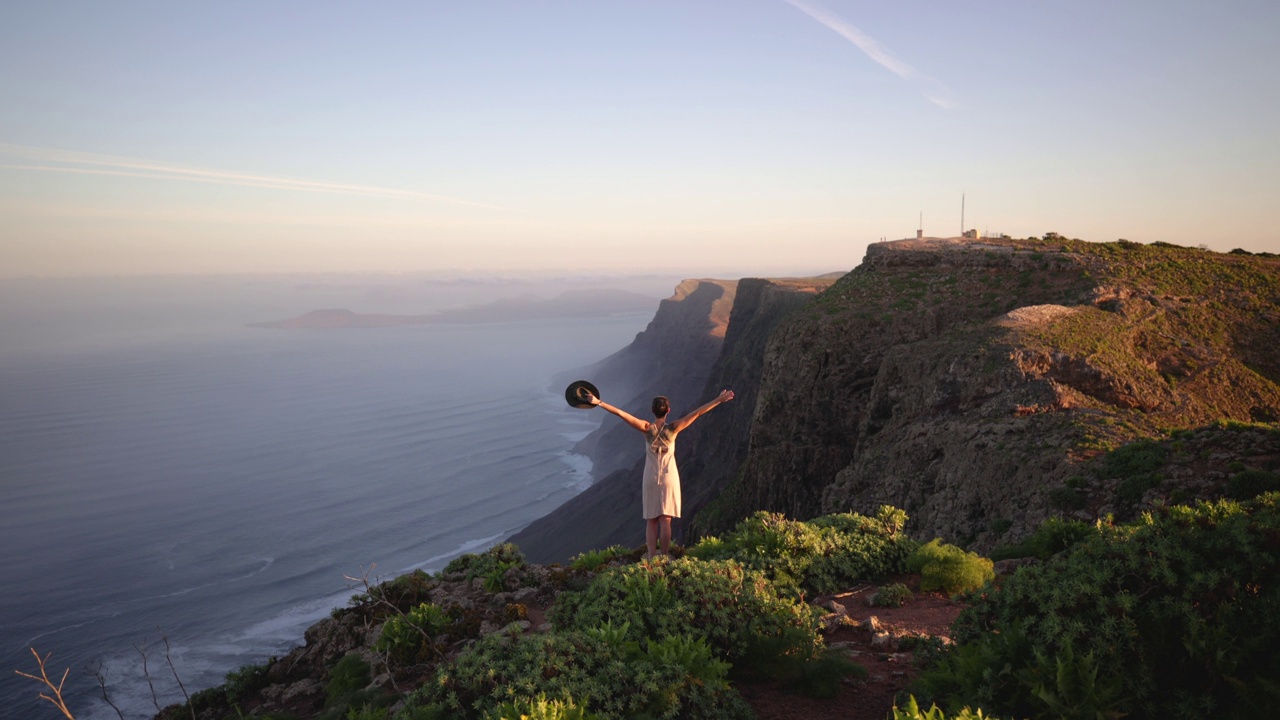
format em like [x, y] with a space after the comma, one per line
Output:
[627, 417]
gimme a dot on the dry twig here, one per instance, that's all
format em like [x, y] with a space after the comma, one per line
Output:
[182, 687]
[56, 698]
[380, 599]
[102, 683]
[155, 700]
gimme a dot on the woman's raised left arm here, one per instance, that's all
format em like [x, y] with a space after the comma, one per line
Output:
[684, 422]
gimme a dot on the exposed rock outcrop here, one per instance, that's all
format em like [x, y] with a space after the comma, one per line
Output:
[965, 381]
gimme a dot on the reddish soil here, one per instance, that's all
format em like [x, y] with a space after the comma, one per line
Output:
[870, 698]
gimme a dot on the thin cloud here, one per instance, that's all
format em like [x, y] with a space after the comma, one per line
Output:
[939, 95]
[71, 161]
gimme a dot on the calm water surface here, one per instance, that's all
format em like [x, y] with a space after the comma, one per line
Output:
[166, 471]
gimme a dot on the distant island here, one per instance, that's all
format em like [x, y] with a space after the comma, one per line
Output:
[570, 304]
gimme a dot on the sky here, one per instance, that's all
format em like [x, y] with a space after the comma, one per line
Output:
[753, 136]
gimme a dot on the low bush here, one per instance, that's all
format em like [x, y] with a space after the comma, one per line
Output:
[1066, 498]
[492, 565]
[246, 682]
[404, 591]
[1174, 615]
[348, 675]
[910, 710]
[1052, 537]
[719, 601]
[892, 595]
[676, 677]
[822, 555]
[1252, 483]
[736, 612]
[411, 637]
[948, 568]
[540, 708]
[592, 560]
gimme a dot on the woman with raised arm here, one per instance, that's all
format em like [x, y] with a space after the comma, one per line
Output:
[661, 488]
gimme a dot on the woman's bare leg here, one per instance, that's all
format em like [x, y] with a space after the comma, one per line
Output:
[664, 533]
[651, 535]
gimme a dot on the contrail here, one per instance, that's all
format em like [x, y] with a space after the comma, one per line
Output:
[874, 50]
[136, 167]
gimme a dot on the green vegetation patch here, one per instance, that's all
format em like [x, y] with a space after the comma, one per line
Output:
[821, 555]
[1054, 535]
[492, 565]
[950, 569]
[592, 560]
[597, 672]
[1175, 615]
[719, 601]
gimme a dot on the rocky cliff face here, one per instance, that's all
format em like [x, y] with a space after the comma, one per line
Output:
[974, 384]
[967, 381]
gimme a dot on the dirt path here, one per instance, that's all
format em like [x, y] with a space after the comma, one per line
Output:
[888, 671]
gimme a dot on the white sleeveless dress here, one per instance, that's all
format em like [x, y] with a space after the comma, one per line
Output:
[661, 489]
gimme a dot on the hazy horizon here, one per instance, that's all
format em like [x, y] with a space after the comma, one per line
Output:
[776, 136]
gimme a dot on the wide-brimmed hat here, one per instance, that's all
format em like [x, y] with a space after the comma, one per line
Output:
[576, 394]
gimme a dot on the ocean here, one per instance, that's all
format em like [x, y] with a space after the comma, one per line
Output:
[169, 475]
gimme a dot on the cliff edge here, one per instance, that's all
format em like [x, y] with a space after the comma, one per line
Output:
[967, 381]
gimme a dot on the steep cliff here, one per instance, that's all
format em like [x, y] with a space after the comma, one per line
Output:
[710, 452]
[966, 381]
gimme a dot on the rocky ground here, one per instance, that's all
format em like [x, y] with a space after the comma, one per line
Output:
[876, 638]
[880, 639]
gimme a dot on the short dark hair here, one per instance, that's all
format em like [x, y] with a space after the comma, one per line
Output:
[661, 406]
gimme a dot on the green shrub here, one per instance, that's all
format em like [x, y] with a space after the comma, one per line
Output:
[496, 560]
[859, 557]
[892, 595]
[910, 710]
[770, 542]
[1137, 465]
[822, 555]
[411, 637]
[773, 658]
[1252, 483]
[893, 519]
[367, 712]
[1135, 458]
[612, 680]
[736, 612]
[1052, 537]
[719, 601]
[246, 682]
[591, 560]
[404, 591]
[348, 675]
[540, 708]
[1131, 489]
[948, 568]
[1174, 615]
[1065, 498]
